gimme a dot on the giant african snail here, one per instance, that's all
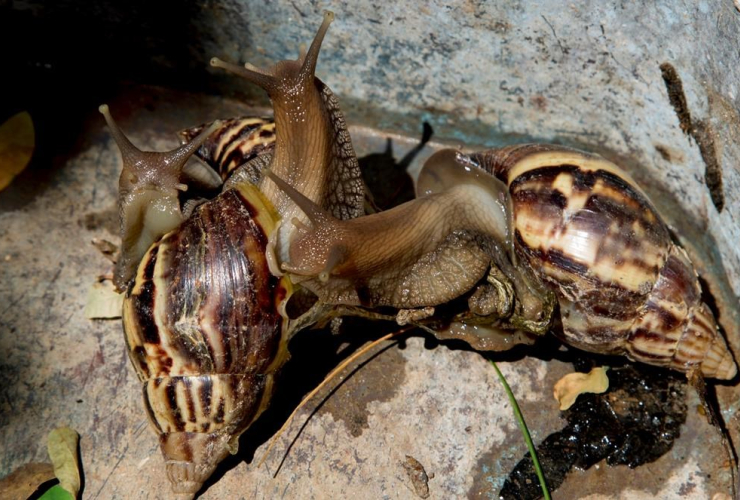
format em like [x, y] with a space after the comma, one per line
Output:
[204, 318]
[577, 221]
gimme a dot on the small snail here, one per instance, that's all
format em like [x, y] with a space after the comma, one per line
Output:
[204, 318]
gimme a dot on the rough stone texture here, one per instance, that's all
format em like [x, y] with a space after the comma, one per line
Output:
[481, 74]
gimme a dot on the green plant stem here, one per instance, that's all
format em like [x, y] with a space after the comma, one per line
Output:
[525, 432]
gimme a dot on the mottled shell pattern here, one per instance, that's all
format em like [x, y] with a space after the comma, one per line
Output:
[204, 332]
[624, 287]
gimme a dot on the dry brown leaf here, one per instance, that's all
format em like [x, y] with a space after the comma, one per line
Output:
[25, 480]
[63, 453]
[418, 476]
[568, 388]
[103, 302]
[16, 146]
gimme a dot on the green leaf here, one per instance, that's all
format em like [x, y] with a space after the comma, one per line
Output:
[56, 492]
[62, 447]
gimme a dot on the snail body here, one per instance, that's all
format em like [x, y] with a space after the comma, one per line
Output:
[148, 195]
[312, 146]
[420, 254]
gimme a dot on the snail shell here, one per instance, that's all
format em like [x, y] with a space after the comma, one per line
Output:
[205, 332]
[590, 233]
[233, 143]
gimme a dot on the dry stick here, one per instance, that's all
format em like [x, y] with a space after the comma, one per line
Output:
[328, 378]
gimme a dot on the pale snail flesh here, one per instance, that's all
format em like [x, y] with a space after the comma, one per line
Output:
[204, 317]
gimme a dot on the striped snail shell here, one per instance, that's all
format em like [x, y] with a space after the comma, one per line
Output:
[592, 235]
[206, 332]
[204, 316]
[235, 143]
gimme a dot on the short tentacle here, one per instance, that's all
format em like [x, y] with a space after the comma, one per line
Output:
[315, 213]
[324, 251]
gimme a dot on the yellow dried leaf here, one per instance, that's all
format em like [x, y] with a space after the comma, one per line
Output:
[62, 447]
[103, 302]
[568, 388]
[16, 146]
[25, 480]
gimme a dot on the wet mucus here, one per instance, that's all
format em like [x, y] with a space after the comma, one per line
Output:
[635, 422]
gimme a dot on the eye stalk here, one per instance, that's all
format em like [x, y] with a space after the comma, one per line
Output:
[285, 75]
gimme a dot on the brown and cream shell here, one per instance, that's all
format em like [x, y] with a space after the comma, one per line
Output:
[204, 316]
[205, 332]
[624, 287]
